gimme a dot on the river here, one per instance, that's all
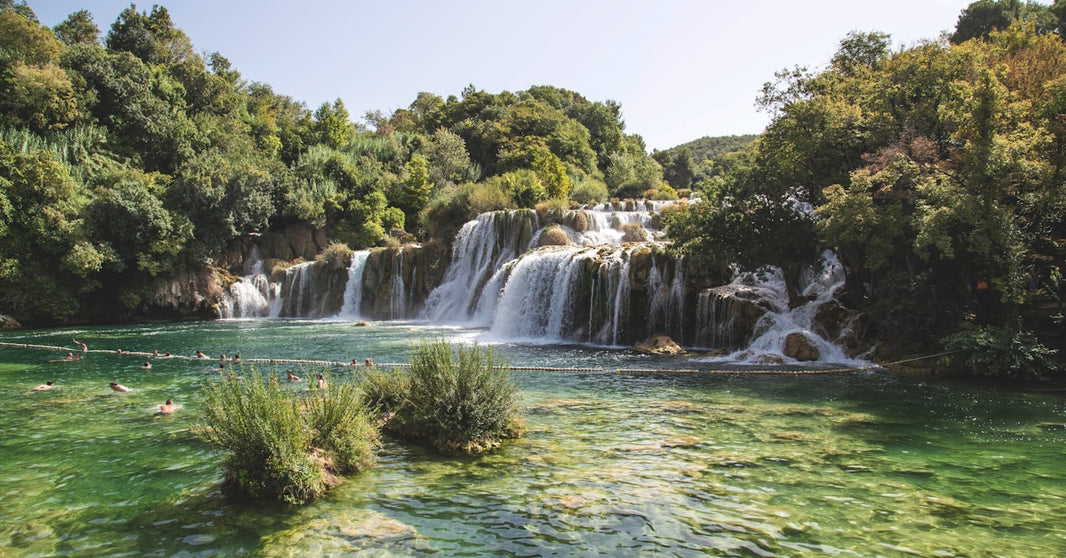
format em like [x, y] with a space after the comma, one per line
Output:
[614, 463]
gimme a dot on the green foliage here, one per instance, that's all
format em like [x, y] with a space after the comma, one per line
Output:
[78, 29]
[458, 399]
[1002, 352]
[587, 190]
[550, 170]
[282, 443]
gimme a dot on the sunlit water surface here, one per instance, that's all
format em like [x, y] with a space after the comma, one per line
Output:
[620, 464]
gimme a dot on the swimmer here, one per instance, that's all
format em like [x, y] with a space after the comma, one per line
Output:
[146, 365]
[44, 387]
[321, 381]
[200, 354]
[80, 344]
[292, 377]
[70, 356]
[168, 408]
[118, 387]
[369, 362]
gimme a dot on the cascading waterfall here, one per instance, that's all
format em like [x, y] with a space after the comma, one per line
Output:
[767, 288]
[398, 306]
[353, 290]
[251, 295]
[609, 282]
[295, 290]
[482, 247]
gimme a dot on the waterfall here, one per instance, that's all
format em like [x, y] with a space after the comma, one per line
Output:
[398, 302]
[353, 290]
[251, 295]
[481, 248]
[766, 289]
[609, 281]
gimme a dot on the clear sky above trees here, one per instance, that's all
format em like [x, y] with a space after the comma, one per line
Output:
[680, 69]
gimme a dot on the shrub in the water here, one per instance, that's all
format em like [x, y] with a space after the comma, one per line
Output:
[284, 443]
[462, 400]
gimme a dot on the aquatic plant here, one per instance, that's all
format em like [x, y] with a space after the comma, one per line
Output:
[460, 400]
[286, 444]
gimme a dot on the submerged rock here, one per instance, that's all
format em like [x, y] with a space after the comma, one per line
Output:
[339, 533]
[660, 345]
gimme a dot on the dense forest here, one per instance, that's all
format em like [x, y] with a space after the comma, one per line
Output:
[128, 158]
[934, 171]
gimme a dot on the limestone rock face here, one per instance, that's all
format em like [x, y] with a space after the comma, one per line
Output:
[798, 347]
[9, 323]
[727, 316]
[192, 294]
[660, 345]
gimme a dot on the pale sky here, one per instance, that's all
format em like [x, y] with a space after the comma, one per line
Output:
[681, 69]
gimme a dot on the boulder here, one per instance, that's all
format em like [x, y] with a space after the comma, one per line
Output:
[660, 345]
[798, 347]
[9, 323]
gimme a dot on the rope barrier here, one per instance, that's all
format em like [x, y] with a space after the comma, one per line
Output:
[154, 355]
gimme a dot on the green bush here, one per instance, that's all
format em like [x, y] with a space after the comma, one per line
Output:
[1002, 352]
[460, 401]
[282, 443]
[385, 391]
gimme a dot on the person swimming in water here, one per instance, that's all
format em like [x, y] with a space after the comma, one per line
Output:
[45, 386]
[292, 377]
[168, 408]
[118, 387]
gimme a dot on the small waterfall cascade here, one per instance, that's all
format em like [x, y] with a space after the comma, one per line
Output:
[252, 295]
[761, 297]
[398, 298]
[353, 289]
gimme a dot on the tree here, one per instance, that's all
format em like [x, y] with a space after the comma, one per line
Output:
[982, 17]
[150, 37]
[332, 126]
[416, 189]
[861, 50]
[78, 29]
[552, 174]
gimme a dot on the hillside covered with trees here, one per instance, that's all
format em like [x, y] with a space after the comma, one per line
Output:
[127, 158]
[935, 172]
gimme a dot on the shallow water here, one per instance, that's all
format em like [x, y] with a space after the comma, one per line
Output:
[856, 464]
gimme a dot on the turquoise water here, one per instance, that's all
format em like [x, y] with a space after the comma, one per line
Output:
[855, 464]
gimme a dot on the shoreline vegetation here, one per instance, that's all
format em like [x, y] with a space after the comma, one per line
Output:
[132, 167]
[293, 442]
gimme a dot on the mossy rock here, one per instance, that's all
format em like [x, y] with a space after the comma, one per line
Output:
[553, 236]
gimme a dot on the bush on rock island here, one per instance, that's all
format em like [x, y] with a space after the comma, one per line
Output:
[285, 441]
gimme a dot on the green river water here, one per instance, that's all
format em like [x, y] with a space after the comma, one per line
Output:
[862, 463]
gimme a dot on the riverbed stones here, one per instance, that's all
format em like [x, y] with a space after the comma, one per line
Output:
[340, 534]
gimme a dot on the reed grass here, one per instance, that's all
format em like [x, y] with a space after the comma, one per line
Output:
[283, 443]
[459, 400]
